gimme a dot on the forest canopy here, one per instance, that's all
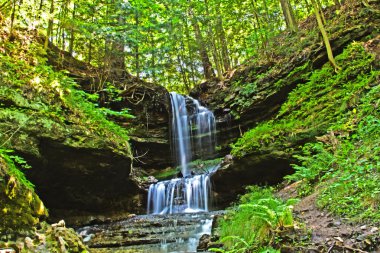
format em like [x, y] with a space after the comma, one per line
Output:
[176, 43]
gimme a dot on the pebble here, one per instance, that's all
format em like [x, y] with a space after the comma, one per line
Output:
[88, 238]
[364, 227]
[361, 237]
[374, 230]
[29, 242]
[337, 223]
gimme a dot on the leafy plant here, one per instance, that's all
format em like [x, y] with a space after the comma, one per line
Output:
[256, 221]
[13, 162]
[314, 107]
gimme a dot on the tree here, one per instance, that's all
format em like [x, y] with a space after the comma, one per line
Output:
[207, 67]
[325, 36]
[287, 11]
[50, 24]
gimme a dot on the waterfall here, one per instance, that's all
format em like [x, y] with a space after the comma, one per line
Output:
[193, 133]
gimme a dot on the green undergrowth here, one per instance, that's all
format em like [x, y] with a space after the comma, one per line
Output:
[37, 100]
[21, 209]
[345, 165]
[316, 105]
[256, 223]
[13, 163]
[332, 123]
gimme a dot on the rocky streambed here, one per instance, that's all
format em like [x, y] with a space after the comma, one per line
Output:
[149, 233]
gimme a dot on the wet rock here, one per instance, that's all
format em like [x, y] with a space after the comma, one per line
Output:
[203, 242]
[79, 180]
[149, 233]
[150, 104]
[258, 168]
[361, 237]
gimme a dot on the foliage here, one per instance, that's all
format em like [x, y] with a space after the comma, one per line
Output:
[158, 40]
[20, 208]
[256, 221]
[33, 94]
[345, 165]
[15, 162]
[314, 106]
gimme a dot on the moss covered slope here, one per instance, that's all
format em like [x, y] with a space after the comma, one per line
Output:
[69, 143]
[37, 102]
[332, 125]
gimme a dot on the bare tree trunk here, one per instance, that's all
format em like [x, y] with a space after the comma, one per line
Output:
[214, 51]
[256, 14]
[308, 7]
[50, 24]
[319, 5]
[337, 3]
[72, 34]
[325, 37]
[89, 52]
[207, 67]
[13, 17]
[223, 40]
[190, 51]
[290, 20]
[137, 53]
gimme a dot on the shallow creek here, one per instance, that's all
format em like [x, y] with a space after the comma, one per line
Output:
[150, 233]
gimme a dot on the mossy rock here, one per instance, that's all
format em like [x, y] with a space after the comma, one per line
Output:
[21, 208]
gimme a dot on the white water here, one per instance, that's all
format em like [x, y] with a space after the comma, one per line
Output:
[193, 134]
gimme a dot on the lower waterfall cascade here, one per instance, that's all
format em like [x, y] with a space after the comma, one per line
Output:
[193, 131]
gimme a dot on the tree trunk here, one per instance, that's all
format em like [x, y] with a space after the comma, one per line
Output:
[207, 67]
[325, 37]
[290, 20]
[319, 6]
[214, 50]
[13, 17]
[190, 52]
[307, 5]
[137, 53]
[50, 24]
[72, 34]
[256, 14]
[90, 52]
[222, 39]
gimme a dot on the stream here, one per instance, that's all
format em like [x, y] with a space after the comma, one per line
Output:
[150, 233]
[177, 209]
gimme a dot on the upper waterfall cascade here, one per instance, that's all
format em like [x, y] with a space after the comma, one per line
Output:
[193, 132]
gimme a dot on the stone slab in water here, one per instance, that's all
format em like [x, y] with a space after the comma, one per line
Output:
[149, 233]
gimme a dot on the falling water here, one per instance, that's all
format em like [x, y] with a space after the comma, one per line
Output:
[193, 135]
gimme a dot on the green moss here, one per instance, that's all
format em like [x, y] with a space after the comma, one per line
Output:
[345, 164]
[314, 106]
[21, 208]
[197, 166]
[36, 101]
[166, 174]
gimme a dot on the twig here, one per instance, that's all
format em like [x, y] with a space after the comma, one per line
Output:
[18, 129]
[138, 102]
[138, 156]
[352, 249]
[331, 248]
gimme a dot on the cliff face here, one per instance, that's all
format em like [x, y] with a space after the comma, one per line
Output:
[149, 103]
[252, 96]
[150, 134]
[80, 160]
